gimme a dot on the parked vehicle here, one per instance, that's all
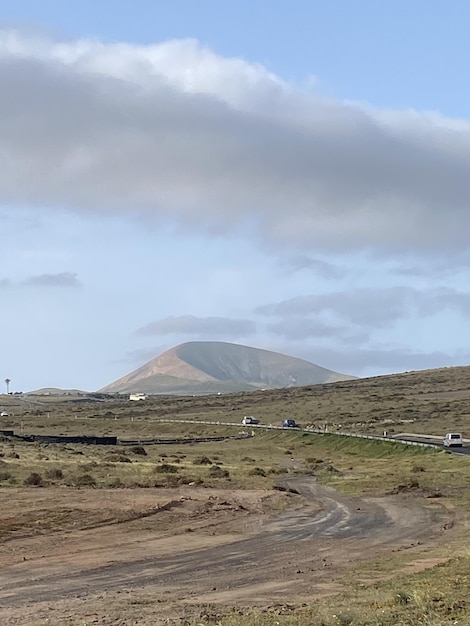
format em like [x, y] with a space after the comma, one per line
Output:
[453, 440]
[4, 414]
[290, 423]
[249, 419]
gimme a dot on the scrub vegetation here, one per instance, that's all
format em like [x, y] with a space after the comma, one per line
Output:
[430, 589]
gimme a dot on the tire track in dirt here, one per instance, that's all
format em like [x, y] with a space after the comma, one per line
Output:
[343, 529]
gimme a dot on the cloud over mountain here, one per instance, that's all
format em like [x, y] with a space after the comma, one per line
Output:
[199, 326]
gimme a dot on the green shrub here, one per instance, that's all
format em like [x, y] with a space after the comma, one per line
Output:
[402, 597]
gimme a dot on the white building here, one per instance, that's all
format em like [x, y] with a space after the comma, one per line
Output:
[137, 396]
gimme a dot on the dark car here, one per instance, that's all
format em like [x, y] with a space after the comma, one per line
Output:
[290, 423]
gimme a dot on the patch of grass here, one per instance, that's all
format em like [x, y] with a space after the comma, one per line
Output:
[54, 473]
[117, 457]
[166, 468]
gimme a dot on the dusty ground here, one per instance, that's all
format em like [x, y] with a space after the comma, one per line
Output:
[149, 556]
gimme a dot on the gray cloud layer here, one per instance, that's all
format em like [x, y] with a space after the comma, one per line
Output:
[216, 327]
[63, 279]
[373, 361]
[372, 308]
[174, 129]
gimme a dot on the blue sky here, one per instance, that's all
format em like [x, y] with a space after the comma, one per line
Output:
[398, 54]
[288, 176]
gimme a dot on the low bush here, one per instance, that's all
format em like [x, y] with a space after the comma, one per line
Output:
[278, 470]
[139, 450]
[117, 457]
[34, 479]
[116, 483]
[202, 460]
[257, 471]
[54, 473]
[171, 480]
[84, 480]
[166, 468]
[218, 472]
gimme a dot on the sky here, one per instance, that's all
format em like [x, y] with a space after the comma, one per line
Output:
[289, 176]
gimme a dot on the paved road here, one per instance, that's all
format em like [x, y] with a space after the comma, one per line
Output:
[432, 442]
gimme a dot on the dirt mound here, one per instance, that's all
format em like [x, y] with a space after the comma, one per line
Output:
[414, 487]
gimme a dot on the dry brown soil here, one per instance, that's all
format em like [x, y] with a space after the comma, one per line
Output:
[154, 556]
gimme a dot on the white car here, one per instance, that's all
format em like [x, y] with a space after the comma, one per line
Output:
[4, 414]
[249, 419]
[452, 440]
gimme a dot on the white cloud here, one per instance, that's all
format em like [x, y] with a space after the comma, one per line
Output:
[173, 129]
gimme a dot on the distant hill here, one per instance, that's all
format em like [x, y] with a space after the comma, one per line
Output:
[56, 391]
[200, 367]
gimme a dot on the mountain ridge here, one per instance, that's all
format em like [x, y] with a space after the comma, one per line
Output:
[197, 367]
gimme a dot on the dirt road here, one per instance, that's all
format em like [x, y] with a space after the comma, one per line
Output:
[120, 555]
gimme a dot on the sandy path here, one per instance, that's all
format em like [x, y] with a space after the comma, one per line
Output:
[209, 547]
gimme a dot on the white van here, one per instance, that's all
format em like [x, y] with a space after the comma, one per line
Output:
[453, 440]
[249, 419]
